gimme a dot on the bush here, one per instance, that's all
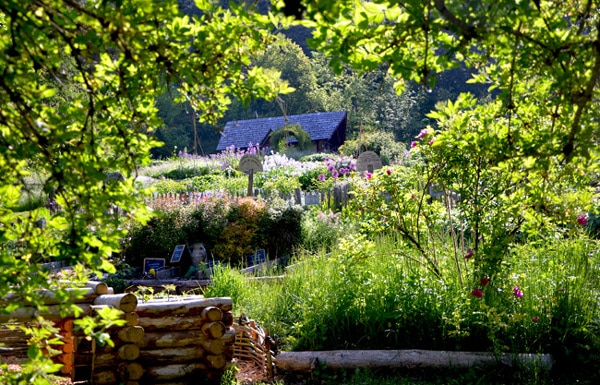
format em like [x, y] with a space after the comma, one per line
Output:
[231, 230]
[382, 143]
[156, 239]
[321, 230]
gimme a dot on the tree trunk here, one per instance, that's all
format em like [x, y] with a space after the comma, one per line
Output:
[351, 359]
[131, 334]
[74, 295]
[27, 314]
[173, 339]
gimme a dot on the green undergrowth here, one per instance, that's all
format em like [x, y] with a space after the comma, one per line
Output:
[376, 295]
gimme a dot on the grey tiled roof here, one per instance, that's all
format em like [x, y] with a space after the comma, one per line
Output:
[319, 125]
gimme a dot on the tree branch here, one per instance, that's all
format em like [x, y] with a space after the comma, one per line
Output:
[467, 30]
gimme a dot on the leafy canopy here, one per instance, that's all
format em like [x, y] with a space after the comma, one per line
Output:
[541, 55]
[77, 87]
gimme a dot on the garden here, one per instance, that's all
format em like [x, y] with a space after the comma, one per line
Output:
[478, 233]
[404, 263]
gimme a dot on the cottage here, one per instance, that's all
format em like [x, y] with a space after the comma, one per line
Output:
[327, 130]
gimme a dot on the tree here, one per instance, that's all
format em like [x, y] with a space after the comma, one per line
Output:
[296, 68]
[115, 58]
[522, 157]
[538, 55]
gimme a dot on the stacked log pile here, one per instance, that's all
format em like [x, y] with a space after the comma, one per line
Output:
[186, 341]
[88, 300]
[13, 341]
[112, 364]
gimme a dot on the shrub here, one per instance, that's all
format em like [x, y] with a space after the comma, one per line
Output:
[382, 143]
[156, 239]
[321, 230]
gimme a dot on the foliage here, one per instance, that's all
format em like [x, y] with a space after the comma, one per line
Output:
[231, 230]
[382, 143]
[78, 87]
[157, 238]
[288, 135]
[322, 230]
[378, 295]
[506, 194]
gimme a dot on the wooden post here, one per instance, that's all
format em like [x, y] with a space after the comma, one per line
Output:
[250, 182]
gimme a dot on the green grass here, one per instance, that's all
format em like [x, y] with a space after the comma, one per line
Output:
[373, 295]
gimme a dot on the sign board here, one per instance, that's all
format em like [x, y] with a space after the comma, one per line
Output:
[153, 263]
[259, 257]
[250, 163]
[177, 253]
[368, 161]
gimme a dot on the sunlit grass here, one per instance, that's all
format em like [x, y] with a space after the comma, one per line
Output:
[372, 295]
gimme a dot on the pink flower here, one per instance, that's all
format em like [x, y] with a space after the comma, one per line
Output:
[582, 219]
[431, 141]
[469, 254]
[535, 319]
[413, 144]
[518, 293]
[388, 171]
[368, 175]
[321, 177]
[422, 134]
[477, 293]
[484, 281]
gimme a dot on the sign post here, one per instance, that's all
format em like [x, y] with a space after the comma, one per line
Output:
[250, 163]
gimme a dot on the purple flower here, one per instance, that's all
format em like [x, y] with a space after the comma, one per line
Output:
[321, 177]
[518, 293]
[469, 254]
[582, 219]
[352, 166]
[344, 171]
[388, 171]
[535, 319]
[334, 174]
[331, 169]
[422, 134]
[477, 293]
[413, 144]
[484, 281]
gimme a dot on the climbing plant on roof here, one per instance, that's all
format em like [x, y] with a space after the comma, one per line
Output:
[281, 137]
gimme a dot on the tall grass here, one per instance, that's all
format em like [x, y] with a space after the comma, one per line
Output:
[368, 294]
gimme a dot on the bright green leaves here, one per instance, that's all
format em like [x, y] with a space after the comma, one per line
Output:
[534, 55]
[513, 185]
[78, 83]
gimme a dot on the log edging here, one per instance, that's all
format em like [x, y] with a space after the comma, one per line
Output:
[306, 361]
